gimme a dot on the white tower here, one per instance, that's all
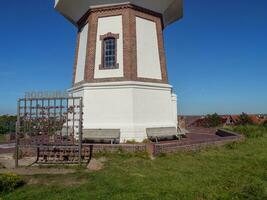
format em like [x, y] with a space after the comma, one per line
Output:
[120, 67]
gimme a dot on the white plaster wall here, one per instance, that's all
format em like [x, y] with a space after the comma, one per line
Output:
[175, 109]
[129, 106]
[152, 108]
[76, 116]
[105, 25]
[82, 54]
[148, 60]
[157, 105]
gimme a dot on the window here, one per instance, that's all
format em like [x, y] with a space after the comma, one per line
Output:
[109, 51]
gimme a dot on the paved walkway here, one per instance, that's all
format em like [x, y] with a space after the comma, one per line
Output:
[197, 135]
[7, 146]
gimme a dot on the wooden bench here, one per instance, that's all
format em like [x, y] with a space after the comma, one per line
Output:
[162, 133]
[111, 135]
[182, 131]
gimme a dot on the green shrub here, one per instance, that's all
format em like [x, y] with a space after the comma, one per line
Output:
[7, 124]
[213, 120]
[131, 142]
[9, 182]
[250, 131]
[146, 141]
[2, 137]
[265, 124]
[244, 119]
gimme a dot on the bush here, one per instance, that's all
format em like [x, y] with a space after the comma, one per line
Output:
[2, 137]
[146, 141]
[213, 120]
[9, 182]
[7, 124]
[3, 130]
[250, 131]
[244, 119]
[131, 142]
[265, 124]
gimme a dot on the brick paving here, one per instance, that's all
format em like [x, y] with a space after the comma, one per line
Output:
[196, 138]
[196, 134]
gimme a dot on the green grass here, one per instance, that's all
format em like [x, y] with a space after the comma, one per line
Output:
[250, 131]
[235, 171]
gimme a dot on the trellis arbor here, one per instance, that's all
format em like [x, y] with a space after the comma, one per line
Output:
[51, 125]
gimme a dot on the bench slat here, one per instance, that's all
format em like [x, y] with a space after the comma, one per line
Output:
[161, 132]
[101, 133]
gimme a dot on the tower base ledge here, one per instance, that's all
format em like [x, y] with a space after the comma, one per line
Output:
[129, 106]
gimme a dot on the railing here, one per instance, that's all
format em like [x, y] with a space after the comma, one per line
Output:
[44, 121]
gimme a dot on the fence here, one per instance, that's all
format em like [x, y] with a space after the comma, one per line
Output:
[49, 121]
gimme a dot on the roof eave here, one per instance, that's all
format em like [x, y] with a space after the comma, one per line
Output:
[169, 16]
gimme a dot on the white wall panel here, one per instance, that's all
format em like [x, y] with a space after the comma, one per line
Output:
[148, 60]
[105, 25]
[81, 54]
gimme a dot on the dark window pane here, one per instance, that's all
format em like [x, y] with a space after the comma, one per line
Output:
[109, 53]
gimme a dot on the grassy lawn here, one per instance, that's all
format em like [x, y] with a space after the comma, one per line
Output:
[235, 171]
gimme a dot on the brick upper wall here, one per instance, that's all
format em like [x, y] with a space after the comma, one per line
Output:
[129, 13]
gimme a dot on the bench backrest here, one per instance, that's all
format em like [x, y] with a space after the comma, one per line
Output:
[101, 133]
[161, 132]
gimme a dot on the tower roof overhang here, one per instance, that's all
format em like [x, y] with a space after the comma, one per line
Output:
[74, 10]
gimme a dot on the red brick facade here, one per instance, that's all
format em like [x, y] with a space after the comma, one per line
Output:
[129, 13]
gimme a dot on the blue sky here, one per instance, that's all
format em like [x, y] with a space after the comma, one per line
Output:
[216, 55]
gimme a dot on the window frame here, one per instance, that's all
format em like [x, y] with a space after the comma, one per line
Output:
[103, 38]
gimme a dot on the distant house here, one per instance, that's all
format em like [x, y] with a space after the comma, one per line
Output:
[226, 120]
[199, 121]
[232, 120]
[255, 119]
[190, 121]
[261, 119]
